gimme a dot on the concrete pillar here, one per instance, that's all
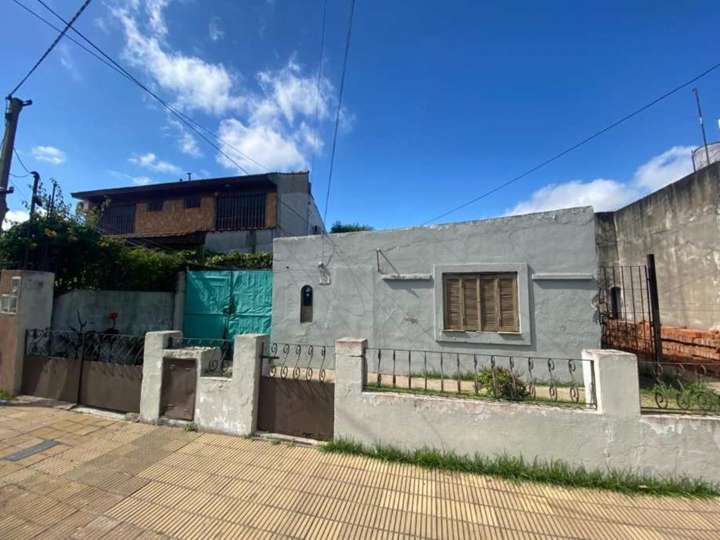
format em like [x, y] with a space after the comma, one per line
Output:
[155, 345]
[28, 306]
[617, 388]
[350, 375]
[247, 364]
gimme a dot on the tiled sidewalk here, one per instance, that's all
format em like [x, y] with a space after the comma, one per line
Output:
[112, 479]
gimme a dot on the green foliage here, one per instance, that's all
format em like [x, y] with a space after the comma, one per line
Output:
[502, 383]
[82, 258]
[338, 227]
[4, 396]
[688, 396]
[516, 468]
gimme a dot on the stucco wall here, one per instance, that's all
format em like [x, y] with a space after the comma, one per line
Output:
[558, 249]
[614, 436]
[138, 311]
[680, 224]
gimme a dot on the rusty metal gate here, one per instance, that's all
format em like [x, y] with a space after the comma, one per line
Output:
[628, 309]
[177, 393]
[87, 368]
[297, 391]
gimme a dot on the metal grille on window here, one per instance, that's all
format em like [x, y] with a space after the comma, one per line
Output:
[241, 211]
[192, 202]
[118, 219]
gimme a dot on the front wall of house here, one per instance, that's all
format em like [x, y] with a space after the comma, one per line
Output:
[174, 218]
[356, 294]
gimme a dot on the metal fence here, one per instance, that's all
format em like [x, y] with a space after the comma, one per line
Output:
[560, 381]
[679, 387]
[119, 349]
[220, 365]
[299, 361]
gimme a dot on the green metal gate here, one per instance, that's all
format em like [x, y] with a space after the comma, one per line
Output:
[222, 303]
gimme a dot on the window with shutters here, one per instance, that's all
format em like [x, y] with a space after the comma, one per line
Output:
[483, 302]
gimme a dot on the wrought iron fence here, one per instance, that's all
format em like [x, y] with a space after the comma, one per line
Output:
[87, 346]
[299, 361]
[561, 381]
[679, 387]
[220, 365]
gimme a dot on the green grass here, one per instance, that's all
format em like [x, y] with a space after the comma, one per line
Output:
[517, 469]
[4, 396]
[452, 393]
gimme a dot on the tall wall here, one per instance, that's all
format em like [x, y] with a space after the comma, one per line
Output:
[680, 224]
[138, 312]
[383, 284]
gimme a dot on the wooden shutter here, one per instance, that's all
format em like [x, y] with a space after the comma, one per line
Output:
[453, 319]
[471, 314]
[507, 292]
[488, 304]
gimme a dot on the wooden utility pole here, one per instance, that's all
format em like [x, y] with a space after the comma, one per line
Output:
[12, 115]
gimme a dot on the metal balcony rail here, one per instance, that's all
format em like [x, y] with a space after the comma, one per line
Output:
[537, 379]
[299, 361]
[679, 387]
[89, 346]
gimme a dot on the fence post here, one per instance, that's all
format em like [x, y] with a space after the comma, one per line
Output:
[350, 377]
[654, 308]
[82, 365]
[155, 344]
[617, 386]
[247, 361]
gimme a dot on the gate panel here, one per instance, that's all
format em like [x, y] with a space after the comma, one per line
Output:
[50, 377]
[297, 391]
[297, 407]
[111, 386]
[177, 395]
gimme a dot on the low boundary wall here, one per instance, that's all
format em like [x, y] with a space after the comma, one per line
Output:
[615, 435]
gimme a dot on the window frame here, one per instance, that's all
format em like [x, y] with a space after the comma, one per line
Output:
[192, 201]
[523, 335]
[155, 205]
[481, 321]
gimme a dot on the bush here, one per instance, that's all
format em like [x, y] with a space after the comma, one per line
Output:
[338, 227]
[502, 383]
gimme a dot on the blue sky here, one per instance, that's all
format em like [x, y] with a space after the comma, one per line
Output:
[443, 100]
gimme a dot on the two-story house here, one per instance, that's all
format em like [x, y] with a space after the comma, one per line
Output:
[239, 213]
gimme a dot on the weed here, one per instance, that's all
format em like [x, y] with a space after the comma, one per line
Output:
[190, 427]
[518, 469]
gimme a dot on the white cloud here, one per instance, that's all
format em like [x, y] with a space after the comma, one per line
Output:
[141, 180]
[275, 123]
[150, 161]
[50, 154]
[263, 144]
[602, 194]
[605, 194]
[215, 30]
[13, 217]
[67, 61]
[669, 166]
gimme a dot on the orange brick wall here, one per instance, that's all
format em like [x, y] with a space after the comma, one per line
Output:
[174, 218]
[678, 344]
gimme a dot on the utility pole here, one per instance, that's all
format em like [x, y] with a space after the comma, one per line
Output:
[51, 206]
[12, 114]
[34, 198]
[702, 126]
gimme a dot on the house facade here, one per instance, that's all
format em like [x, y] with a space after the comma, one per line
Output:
[241, 213]
[514, 285]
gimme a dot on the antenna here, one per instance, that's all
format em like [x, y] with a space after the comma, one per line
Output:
[189, 176]
[702, 125]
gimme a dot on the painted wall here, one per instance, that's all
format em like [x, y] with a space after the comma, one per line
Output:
[615, 435]
[680, 224]
[138, 311]
[381, 284]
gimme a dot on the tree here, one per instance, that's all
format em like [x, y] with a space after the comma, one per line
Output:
[338, 227]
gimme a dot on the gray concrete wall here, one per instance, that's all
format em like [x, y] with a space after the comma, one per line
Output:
[614, 435]
[395, 305]
[680, 224]
[138, 311]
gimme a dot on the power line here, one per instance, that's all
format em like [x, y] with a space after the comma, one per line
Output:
[111, 62]
[319, 75]
[339, 107]
[578, 144]
[17, 155]
[51, 47]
